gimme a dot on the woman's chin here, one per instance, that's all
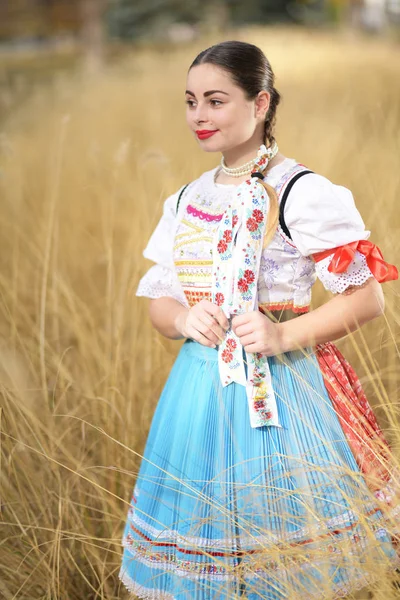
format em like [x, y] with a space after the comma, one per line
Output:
[211, 145]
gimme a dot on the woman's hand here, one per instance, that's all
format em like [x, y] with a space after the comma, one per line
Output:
[336, 318]
[257, 333]
[205, 323]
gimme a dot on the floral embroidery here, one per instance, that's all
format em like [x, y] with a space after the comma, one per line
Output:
[249, 275]
[237, 280]
[227, 356]
[356, 416]
[269, 269]
[284, 279]
[252, 224]
[222, 246]
[243, 285]
[246, 282]
[308, 269]
[219, 299]
[231, 344]
[257, 215]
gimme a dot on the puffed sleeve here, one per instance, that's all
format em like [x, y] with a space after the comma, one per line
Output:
[161, 279]
[325, 224]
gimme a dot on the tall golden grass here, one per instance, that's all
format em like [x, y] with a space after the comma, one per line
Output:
[85, 167]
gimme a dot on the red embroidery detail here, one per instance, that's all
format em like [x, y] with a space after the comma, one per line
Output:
[358, 421]
[227, 356]
[228, 235]
[222, 246]
[283, 306]
[249, 276]
[235, 219]
[258, 215]
[219, 299]
[242, 285]
[344, 255]
[195, 297]
[231, 344]
[252, 224]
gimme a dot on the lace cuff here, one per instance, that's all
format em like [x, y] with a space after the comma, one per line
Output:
[161, 281]
[357, 274]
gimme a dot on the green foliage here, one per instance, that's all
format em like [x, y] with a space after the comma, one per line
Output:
[129, 19]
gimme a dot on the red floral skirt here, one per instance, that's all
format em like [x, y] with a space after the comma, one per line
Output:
[367, 442]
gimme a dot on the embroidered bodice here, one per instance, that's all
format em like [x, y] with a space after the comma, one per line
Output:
[319, 215]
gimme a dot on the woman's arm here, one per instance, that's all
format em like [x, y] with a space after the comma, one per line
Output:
[334, 319]
[165, 314]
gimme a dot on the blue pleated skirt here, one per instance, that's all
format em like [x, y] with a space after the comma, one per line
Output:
[221, 510]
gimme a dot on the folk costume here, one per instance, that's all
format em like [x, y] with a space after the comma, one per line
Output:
[262, 477]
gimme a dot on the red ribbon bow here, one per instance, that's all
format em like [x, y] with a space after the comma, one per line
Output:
[344, 255]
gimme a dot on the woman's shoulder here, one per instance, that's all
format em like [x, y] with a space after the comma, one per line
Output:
[321, 214]
[316, 192]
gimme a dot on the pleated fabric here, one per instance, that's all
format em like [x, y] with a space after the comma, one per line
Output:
[221, 510]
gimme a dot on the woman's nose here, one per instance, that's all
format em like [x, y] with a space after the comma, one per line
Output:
[200, 115]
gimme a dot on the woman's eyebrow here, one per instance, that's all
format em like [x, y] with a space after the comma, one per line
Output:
[209, 93]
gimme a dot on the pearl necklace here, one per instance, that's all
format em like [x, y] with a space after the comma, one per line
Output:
[247, 168]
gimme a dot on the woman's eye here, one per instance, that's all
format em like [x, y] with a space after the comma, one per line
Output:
[214, 102]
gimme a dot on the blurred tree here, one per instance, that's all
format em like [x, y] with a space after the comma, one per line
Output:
[262, 11]
[128, 19]
[22, 19]
[93, 32]
[313, 12]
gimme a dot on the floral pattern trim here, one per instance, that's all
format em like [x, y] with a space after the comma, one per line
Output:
[366, 439]
[333, 544]
[290, 305]
[193, 297]
[339, 590]
[329, 534]
[236, 264]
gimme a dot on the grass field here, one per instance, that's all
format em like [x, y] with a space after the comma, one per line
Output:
[85, 164]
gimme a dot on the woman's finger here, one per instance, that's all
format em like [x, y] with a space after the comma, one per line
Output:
[252, 347]
[205, 330]
[218, 314]
[212, 323]
[247, 339]
[217, 330]
[246, 329]
[197, 336]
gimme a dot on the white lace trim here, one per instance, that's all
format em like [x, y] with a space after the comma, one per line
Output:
[386, 494]
[357, 274]
[161, 281]
[358, 581]
[141, 591]
[248, 541]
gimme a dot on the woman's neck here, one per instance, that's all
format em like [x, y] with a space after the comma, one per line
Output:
[222, 177]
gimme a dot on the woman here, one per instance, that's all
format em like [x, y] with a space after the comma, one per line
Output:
[265, 474]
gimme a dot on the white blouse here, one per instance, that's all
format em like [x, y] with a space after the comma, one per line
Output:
[319, 215]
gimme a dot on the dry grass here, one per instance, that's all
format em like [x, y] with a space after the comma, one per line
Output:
[85, 166]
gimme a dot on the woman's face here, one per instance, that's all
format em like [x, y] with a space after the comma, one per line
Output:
[217, 111]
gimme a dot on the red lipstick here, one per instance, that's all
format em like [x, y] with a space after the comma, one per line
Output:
[203, 134]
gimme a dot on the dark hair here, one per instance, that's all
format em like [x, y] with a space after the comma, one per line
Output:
[250, 70]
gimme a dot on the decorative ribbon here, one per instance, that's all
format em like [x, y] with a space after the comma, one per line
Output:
[344, 255]
[236, 263]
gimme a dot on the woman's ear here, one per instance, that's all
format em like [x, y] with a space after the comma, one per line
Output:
[262, 104]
